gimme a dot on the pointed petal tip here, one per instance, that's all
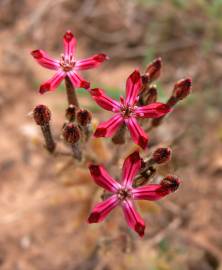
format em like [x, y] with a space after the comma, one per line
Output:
[100, 132]
[94, 169]
[85, 84]
[135, 156]
[135, 76]
[44, 88]
[93, 217]
[140, 229]
[68, 36]
[36, 54]
[101, 57]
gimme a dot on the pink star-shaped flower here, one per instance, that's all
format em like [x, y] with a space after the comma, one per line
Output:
[67, 65]
[124, 194]
[126, 111]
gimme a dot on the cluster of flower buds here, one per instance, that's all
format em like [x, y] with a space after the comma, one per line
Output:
[130, 113]
[77, 130]
[160, 156]
[124, 193]
[148, 93]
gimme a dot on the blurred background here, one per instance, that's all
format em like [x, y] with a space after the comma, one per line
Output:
[44, 204]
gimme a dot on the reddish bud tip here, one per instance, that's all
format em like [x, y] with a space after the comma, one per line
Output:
[151, 95]
[71, 113]
[42, 115]
[94, 217]
[84, 117]
[36, 54]
[170, 183]
[71, 133]
[162, 155]
[182, 88]
[68, 36]
[153, 70]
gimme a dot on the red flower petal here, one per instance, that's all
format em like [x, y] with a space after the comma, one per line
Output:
[77, 81]
[108, 128]
[45, 60]
[101, 210]
[137, 133]
[69, 44]
[132, 217]
[52, 83]
[104, 101]
[153, 110]
[151, 192]
[91, 62]
[103, 179]
[131, 166]
[133, 86]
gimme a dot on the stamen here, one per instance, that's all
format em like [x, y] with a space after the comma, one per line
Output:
[127, 111]
[124, 193]
[67, 63]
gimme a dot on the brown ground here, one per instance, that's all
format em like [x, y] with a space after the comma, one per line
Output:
[44, 208]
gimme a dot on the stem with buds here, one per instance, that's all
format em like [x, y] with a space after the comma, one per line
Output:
[42, 117]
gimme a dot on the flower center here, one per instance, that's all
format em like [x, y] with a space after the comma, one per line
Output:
[124, 193]
[67, 62]
[127, 111]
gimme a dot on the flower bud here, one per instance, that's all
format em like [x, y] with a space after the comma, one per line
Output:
[151, 95]
[153, 69]
[171, 183]
[84, 117]
[182, 89]
[145, 79]
[42, 115]
[71, 113]
[162, 155]
[71, 133]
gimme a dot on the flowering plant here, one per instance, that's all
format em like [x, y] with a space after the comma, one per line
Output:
[127, 111]
[125, 194]
[140, 103]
